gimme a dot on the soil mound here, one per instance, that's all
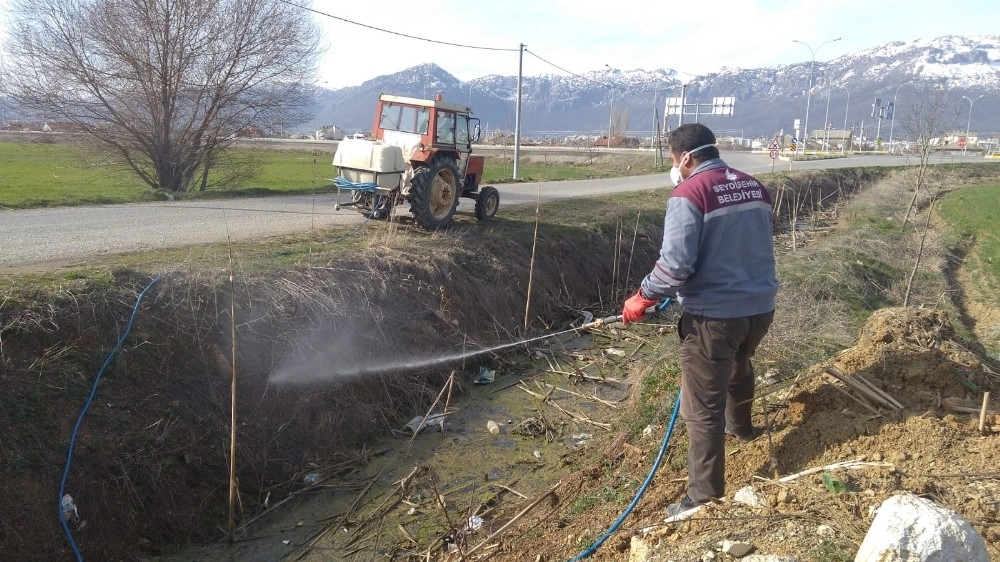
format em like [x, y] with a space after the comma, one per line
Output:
[930, 447]
[830, 457]
[914, 353]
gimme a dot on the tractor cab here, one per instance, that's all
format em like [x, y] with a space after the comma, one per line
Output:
[427, 146]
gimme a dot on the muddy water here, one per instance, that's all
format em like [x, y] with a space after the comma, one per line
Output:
[367, 514]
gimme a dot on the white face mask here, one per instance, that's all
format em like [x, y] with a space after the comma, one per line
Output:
[675, 175]
[675, 172]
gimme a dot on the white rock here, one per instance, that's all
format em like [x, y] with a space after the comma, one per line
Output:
[825, 531]
[768, 558]
[735, 548]
[639, 550]
[708, 556]
[912, 529]
[647, 431]
[750, 497]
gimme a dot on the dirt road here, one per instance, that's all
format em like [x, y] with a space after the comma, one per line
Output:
[61, 235]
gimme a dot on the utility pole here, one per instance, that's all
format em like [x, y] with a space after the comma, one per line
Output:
[878, 111]
[611, 117]
[680, 116]
[517, 112]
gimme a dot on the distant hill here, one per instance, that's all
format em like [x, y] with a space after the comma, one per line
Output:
[767, 99]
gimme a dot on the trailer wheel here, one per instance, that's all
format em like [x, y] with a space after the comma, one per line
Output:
[487, 203]
[434, 193]
[361, 199]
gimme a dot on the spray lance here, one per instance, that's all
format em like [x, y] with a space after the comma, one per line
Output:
[658, 307]
[599, 323]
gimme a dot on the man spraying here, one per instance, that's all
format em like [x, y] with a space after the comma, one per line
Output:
[717, 261]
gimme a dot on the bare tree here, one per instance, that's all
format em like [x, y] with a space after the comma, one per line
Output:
[165, 84]
[928, 121]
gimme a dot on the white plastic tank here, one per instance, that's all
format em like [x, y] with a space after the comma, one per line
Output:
[363, 161]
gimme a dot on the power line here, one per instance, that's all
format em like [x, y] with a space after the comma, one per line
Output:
[554, 65]
[372, 27]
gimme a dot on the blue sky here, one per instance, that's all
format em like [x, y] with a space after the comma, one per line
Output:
[586, 35]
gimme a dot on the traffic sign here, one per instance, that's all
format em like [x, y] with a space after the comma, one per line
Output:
[775, 145]
[773, 153]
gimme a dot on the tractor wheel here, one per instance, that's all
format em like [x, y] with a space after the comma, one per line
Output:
[434, 193]
[487, 203]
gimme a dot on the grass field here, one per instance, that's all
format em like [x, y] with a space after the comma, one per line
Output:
[975, 212]
[38, 174]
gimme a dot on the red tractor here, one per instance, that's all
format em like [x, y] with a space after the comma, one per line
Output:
[422, 153]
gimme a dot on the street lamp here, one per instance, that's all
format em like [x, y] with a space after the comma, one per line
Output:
[826, 122]
[812, 61]
[969, 122]
[611, 117]
[847, 105]
[893, 120]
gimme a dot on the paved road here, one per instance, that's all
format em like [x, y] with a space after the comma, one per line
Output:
[35, 237]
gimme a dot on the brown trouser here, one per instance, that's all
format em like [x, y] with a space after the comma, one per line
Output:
[716, 392]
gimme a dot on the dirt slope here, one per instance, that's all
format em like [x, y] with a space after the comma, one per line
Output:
[926, 450]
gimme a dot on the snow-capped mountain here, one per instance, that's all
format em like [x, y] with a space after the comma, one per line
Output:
[965, 69]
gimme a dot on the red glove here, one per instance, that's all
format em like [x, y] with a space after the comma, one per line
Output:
[635, 308]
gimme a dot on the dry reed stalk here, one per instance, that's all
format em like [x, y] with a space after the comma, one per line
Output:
[447, 516]
[585, 376]
[615, 259]
[531, 263]
[520, 514]
[233, 492]
[585, 397]
[306, 548]
[631, 253]
[446, 387]
[574, 415]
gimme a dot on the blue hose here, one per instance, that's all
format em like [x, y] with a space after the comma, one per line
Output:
[83, 412]
[364, 222]
[642, 489]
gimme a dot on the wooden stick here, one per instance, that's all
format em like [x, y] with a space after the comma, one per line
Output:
[835, 466]
[864, 387]
[982, 412]
[861, 401]
[521, 514]
[958, 406]
[512, 490]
